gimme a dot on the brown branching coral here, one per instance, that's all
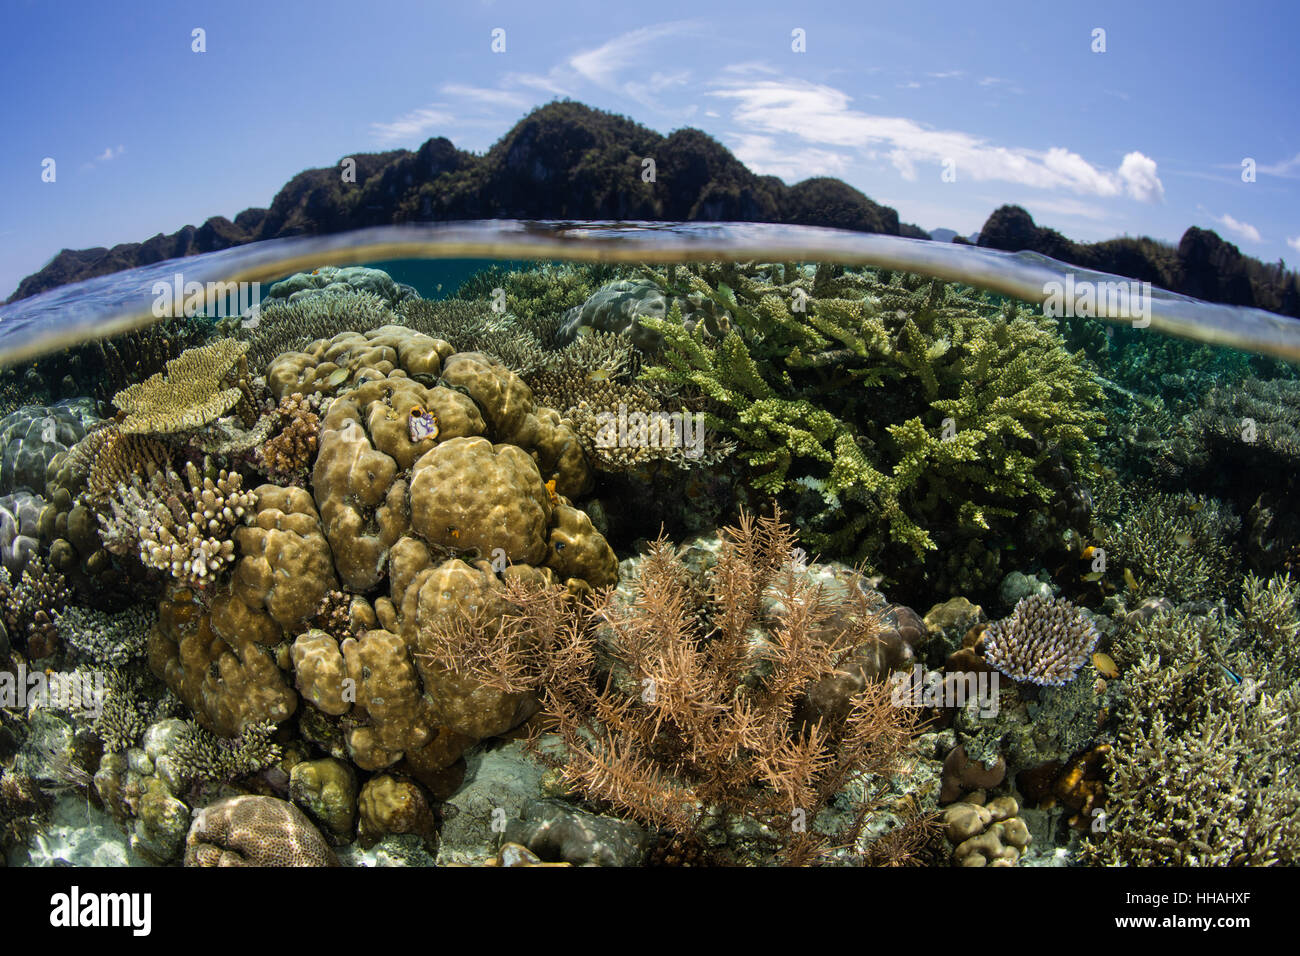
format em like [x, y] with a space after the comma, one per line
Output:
[293, 449]
[687, 708]
[201, 756]
[198, 387]
[30, 605]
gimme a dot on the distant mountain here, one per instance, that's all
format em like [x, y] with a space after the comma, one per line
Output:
[561, 161]
[569, 161]
[1203, 265]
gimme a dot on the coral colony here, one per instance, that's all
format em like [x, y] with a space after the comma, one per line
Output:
[720, 563]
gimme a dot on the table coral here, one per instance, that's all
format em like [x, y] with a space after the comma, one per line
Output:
[1044, 641]
[198, 387]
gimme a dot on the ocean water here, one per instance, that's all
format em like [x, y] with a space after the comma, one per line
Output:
[317, 531]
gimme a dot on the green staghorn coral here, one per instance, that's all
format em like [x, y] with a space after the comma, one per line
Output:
[916, 415]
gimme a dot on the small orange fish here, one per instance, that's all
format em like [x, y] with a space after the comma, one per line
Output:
[1105, 665]
[1129, 581]
[551, 493]
[1087, 552]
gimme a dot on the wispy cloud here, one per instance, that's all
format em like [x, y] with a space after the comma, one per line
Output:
[1243, 229]
[821, 115]
[108, 155]
[488, 96]
[608, 65]
[414, 125]
[1294, 242]
[1070, 207]
[767, 157]
[1287, 168]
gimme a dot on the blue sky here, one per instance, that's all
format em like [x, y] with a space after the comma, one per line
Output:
[1145, 138]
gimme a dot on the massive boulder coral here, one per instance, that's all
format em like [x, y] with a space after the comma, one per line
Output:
[255, 831]
[437, 478]
[514, 417]
[31, 436]
[351, 358]
[366, 450]
[226, 658]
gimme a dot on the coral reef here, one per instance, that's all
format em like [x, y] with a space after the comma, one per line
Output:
[1204, 769]
[184, 528]
[985, 833]
[1178, 546]
[20, 515]
[29, 606]
[336, 280]
[696, 728]
[292, 450]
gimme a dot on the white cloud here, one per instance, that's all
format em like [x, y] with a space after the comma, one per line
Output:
[1243, 229]
[1140, 179]
[766, 157]
[1289, 168]
[488, 96]
[821, 115]
[1294, 242]
[110, 153]
[1068, 207]
[417, 124]
[631, 52]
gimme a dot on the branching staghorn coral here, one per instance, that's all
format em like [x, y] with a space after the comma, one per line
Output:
[1176, 546]
[184, 528]
[1204, 772]
[201, 756]
[29, 606]
[103, 639]
[916, 415]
